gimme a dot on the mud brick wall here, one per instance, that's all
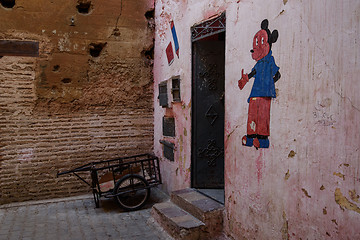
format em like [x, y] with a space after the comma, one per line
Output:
[87, 97]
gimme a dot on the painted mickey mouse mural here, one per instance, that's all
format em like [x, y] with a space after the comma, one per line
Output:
[266, 73]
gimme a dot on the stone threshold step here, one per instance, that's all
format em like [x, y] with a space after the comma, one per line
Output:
[177, 222]
[199, 205]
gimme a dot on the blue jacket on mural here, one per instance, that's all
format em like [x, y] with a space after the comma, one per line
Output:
[264, 83]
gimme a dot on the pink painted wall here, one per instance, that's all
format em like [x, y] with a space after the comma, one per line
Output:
[307, 184]
[176, 175]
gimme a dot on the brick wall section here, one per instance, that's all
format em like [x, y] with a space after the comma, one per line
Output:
[34, 146]
[106, 111]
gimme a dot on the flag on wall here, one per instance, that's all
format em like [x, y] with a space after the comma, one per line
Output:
[175, 38]
[170, 54]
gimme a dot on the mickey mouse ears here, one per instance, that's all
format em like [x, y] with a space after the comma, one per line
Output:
[273, 36]
[265, 24]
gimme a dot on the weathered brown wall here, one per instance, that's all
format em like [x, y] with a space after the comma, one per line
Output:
[69, 106]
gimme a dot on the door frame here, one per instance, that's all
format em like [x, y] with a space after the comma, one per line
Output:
[207, 28]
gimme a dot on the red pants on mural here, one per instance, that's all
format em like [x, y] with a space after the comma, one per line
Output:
[258, 125]
[259, 116]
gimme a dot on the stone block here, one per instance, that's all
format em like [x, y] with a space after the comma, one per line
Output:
[202, 207]
[177, 222]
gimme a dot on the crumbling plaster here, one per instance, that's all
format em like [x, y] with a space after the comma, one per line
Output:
[306, 185]
[74, 103]
[67, 73]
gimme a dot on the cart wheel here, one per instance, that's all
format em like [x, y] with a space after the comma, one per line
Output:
[133, 192]
[96, 198]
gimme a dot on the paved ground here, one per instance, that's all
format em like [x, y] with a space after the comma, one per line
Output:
[77, 218]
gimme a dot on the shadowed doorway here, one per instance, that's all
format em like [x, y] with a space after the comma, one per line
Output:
[208, 100]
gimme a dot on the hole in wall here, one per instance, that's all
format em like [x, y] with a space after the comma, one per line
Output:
[7, 3]
[148, 53]
[66, 80]
[96, 48]
[84, 7]
[150, 14]
[56, 68]
[116, 32]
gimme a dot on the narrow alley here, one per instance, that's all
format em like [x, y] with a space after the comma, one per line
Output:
[77, 218]
[241, 116]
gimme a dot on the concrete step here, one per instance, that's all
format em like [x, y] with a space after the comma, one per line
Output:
[177, 222]
[203, 208]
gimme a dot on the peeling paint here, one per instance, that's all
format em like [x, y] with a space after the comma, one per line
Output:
[354, 196]
[253, 125]
[340, 175]
[181, 143]
[287, 175]
[291, 154]
[276, 89]
[285, 227]
[344, 164]
[322, 188]
[324, 211]
[306, 193]
[285, 2]
[344, 202]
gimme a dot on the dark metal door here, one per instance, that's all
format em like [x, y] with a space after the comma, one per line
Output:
[208, 114]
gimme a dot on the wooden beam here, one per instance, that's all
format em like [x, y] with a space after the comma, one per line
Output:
[19, 48]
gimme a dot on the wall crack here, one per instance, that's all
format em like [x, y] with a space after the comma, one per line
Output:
[347, 98]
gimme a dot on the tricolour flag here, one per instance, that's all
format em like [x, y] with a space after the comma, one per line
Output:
[175, 38]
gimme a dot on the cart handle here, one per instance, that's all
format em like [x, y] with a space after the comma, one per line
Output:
[72, 171]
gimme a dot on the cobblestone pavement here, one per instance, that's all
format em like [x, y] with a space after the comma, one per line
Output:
[77, 218]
